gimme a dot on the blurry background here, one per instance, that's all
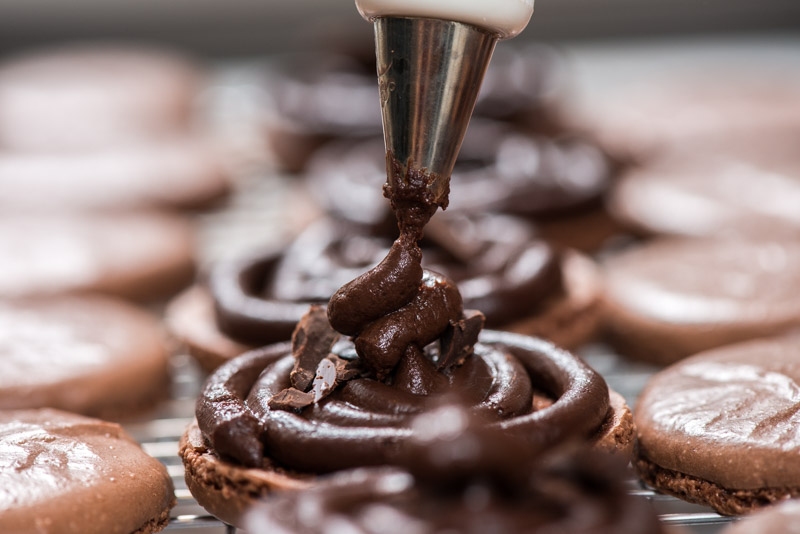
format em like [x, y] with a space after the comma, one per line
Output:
[247, 27]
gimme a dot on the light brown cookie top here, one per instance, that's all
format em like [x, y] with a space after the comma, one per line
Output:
[87, 96]
[64, 473]
[729, 416]
[169, 173]
[139, 256]
[90, 355]
[692, 107]
[707, 282]
[708, 195]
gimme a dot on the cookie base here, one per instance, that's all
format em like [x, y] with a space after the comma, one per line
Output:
[158, 523]
[700, 491]
[226, 489]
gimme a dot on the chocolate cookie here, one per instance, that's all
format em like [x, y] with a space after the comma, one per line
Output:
[174, 173]
[455, 457]
[68, 474]
[720, 428]
[366, 422]
[86, 97]
[519, 282]
[90, 355]
[559, 183]
[140, 256]
[688, 110]
[671, 298]
[738, 191]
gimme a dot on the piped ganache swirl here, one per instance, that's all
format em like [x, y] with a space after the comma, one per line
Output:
[458, 475]
[497, 261]
[326, 403]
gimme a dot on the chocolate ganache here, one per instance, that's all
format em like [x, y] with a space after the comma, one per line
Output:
[336, 399]
[465, 477]
[499, 264]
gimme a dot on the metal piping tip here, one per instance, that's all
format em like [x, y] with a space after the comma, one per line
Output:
[429, 74]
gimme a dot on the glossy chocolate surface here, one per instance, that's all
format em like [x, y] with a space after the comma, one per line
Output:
[64, 473]
[500, 266]
[728, 416]
[458, 475]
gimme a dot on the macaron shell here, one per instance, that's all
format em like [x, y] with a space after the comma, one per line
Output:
[670, 298]
[62, 474]
[91, 355]
[140, 256]
[727, 416]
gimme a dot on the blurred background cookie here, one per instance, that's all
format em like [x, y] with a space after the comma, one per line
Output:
[83, 97]
[169, 173]
[670, 298]
[90, 355]
[138, 256]
[519, 281]
[720, 427]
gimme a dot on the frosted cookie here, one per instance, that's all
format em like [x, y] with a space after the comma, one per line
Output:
[250, 440]
[67, 474]
[668, 299]
[171, 173]
[86, 97]
[90, 355]
[720, 428]
[559, 183]
[517, 280]
[141, 256]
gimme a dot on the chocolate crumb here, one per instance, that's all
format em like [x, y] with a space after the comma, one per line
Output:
[458, 340]
[311, 343]
[291, 399]
[325, 379]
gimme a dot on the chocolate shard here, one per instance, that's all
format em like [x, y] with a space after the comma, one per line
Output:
[459, 339]
[325, 379]
[345, 369]
[291, 399]
[311, 343]
[331, 373]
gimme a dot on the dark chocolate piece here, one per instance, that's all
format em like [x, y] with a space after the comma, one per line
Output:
[311, 342]
[366, 422]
